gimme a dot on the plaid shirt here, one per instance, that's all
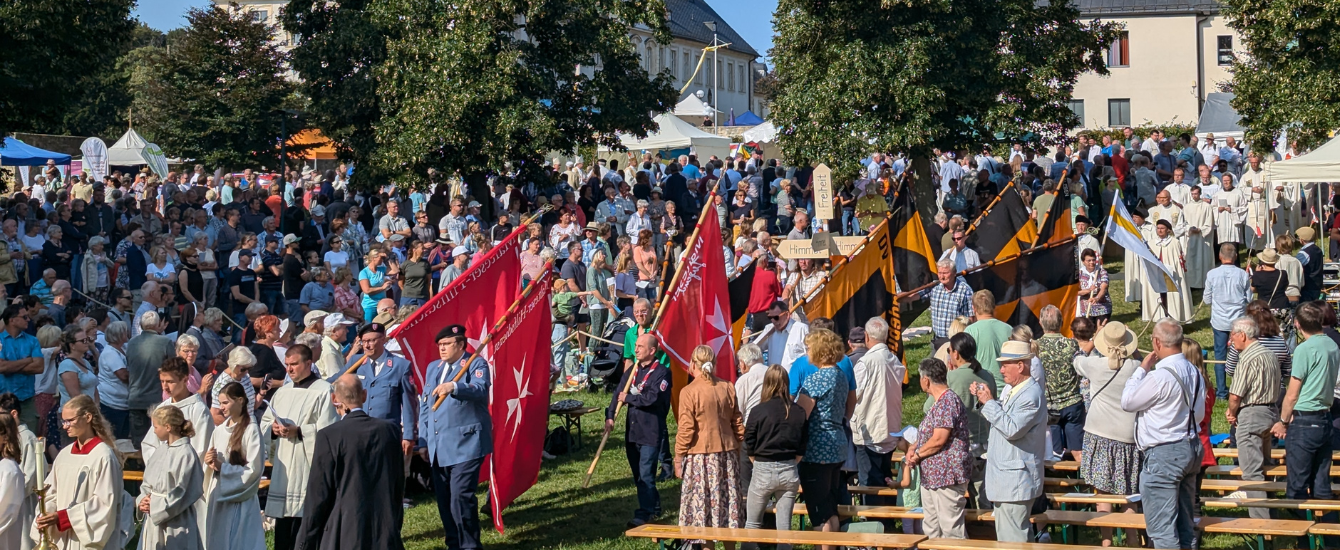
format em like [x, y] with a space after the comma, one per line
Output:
[947, 304]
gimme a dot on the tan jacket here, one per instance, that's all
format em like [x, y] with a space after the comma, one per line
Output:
[709, 420]
[7, 273]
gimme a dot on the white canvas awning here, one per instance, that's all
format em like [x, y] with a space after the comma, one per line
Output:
[133, 150]
[1218, 117]
[763, 133]
[676, 134]
[1320, 165]
[692, 106]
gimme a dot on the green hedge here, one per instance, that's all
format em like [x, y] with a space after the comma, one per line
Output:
[1171, 130]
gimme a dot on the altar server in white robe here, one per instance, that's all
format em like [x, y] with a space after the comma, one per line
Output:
[172, 376]
[233, 467]
[1264, 206]
[1169, 251]
[29, 450]
[1230, 211]
[1134, 276]
[1179, 190]
[173, 484]
[1164, 209]
[297, 411]
[85, 497]
[13, 530]
[1199, 235]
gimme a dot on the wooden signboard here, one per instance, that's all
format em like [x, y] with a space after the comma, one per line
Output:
[822, 242]
[796, 249]
[823, 192]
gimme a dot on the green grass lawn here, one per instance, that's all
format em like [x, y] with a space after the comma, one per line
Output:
[558, 513]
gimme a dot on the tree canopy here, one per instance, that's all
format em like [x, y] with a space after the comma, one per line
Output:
[469, 86]
[913, 75]
[217, 93]
[1290, 77]
[57, 58]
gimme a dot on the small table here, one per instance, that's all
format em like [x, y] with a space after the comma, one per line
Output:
[572, 421]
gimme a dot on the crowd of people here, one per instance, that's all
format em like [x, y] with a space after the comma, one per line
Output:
[212, 329]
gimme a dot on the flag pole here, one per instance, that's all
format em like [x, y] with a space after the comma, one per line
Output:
[972, 226]
[656, 322]
[496, 327]
[988, 265]
[1063, 192]
[841, 264]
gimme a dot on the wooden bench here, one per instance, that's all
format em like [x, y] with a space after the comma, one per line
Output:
[872, 490]
[1274, 453]
[975, 544]
[572, 421]
[1231, 485]
[886, 512]
[1275, 503]
[1269, 471]
[662, 533]
[1258, 528]
[1063, 465]
[1088, 499]
[1324, 529]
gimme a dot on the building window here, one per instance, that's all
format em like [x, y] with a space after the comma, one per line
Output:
[1119, 55]
[688, 66]
[743, 87]
[674, 62]
[716, 77]
[260, 16]
[1077, 107]
[1119, 112]
[1226, 51]
[730, 77]
[696, 59]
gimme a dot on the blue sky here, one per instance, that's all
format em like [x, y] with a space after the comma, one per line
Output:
[752, 19]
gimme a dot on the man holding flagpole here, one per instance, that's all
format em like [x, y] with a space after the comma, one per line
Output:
[1156, 277]
[456, 436]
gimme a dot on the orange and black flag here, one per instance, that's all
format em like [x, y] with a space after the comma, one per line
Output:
[740, 289]
[1026, 283]
[862, 288]
[913, 259]
[1005, 228]
[1056, 225]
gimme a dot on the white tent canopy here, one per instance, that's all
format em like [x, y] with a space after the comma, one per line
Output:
[133, 150]
[1321, 165]
[693, 106]
[677, 134]
[763, 133]
[1218, 117]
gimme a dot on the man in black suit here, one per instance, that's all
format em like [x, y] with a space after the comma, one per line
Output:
[358, 480]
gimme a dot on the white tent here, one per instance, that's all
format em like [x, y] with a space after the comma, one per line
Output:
[1218, 117]
[763, 133]
[1321, 165]
[693, 106]
[133, 150]
[675, 134]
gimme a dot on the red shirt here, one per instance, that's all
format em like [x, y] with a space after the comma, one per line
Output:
[276, 204]
[766, 290]
[1122, 167]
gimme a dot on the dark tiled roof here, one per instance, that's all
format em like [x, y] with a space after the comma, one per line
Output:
[687, 18]
[1145, 7]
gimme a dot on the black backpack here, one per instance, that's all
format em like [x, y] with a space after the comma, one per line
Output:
[558, 441]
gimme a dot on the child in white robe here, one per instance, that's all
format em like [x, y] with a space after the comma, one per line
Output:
[172, 375]
[30, 450]
[233, 467]
[85, 497]
[172, 485]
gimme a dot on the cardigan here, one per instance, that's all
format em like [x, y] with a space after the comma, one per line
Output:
[709, 420]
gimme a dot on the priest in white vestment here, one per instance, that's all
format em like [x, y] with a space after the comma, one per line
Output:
[1178, 190]
[1263, 207]
[1230, 211]
[1132, 274]
[1200, 257]
[1169, 251]
[1164, 209]
[298, 410]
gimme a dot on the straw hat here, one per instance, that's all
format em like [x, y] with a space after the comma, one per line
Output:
[1268, 256]
[1015, 351]
[1115, 340]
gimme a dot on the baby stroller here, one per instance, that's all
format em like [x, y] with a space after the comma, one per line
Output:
[607, 362]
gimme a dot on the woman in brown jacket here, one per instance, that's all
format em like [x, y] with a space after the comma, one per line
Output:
[707, 448]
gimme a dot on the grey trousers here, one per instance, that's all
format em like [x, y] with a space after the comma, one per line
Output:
[1012, 523]
[771, 479]
[1253, 436]
[944, 512]
[1168, 489]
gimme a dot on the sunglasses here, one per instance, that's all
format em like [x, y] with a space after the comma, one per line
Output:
[774, 317]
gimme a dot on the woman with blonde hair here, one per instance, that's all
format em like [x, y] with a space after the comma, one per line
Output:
[173, 484]
[625, 281]
[77, 375]
[959, 324]
[775, 439]
[347, 300]
[374, 280]
[707, 448]
[83, 501]
[160, 270]
[645, 258]
[827, 400]
[1196, 356]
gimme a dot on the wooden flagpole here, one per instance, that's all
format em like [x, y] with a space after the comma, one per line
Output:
[688, 245]
[1060, 193]
[841, 264]
[972, 226]
[496, 327]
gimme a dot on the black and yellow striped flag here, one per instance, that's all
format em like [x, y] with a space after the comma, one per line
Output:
[1005, 229]
[740, 288]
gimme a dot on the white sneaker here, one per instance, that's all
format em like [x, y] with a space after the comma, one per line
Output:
[547, 456]
[1237, 495]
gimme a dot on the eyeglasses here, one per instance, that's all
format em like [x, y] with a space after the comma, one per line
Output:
[66, 422]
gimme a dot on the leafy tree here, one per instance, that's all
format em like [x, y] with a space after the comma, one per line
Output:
[915, 75]
[53, 53]
[216, 95]
[1290, 76]
[469, 86]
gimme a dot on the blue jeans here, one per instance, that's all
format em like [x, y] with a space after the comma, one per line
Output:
[1068, 433]
[241, 320]
[1220, 353]
[76, 273]
[642, 460]
[1307, 455]
[294, 310]
[850, 225]
[1168, 486]
[412, 301]
[274, 300]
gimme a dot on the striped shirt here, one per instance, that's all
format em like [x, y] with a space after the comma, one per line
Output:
[1276, 346]
[1257, 381]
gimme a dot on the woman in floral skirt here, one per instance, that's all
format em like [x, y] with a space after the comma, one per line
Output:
[707, 448]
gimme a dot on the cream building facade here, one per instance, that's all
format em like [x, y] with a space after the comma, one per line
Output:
[1171, 55]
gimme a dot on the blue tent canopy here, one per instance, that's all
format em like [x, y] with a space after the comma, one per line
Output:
[746, 119]
[18, 153]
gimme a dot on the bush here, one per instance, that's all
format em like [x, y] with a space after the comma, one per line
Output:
[1171, 130]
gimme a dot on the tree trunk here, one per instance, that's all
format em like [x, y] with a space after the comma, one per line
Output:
[923, 190]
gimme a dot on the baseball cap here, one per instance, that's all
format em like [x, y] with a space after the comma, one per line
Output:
[290, 239]
[313, 317]
[334, 319]
[460, 250]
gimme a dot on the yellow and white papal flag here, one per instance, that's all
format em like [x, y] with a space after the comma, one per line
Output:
[1122, 230]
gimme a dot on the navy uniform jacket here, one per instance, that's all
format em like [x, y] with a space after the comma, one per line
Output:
[460, 430]
[391, 394]
[1312, 273]
[647, 408]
